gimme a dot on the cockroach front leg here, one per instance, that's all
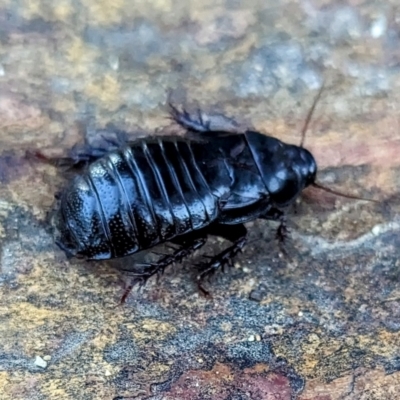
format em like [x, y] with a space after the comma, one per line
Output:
[275, 214]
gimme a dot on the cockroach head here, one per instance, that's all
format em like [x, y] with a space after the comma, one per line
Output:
[285, 169]
[296, 170]
[310, 167]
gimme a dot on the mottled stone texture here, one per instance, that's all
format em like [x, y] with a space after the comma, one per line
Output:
[322, 324]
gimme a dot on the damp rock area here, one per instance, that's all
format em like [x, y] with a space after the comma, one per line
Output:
[320, 321]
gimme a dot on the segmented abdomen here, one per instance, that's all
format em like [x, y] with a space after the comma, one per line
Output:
[155, 189]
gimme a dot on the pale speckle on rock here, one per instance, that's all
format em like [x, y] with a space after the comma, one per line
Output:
[379, 26]
[40, 362]
[114, 62]
[376, 230]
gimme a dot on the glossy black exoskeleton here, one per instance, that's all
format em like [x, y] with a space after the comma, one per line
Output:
[180, 189]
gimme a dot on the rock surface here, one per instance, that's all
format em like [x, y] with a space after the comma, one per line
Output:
[321, 325]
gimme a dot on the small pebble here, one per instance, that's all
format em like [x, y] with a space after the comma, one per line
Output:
[114, 62]
[376, 230]
[39, 362]
[47, 358]
[251, 338]
[379, 27]
[256, 295]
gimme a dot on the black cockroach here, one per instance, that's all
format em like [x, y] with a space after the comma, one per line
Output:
[181, 189]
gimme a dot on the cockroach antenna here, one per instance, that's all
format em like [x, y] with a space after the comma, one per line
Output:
[303, 137]
[337, 193]
[310, 114]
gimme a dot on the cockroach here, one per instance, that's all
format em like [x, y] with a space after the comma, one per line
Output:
[181, 189]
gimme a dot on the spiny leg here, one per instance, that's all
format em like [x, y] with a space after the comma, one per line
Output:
[282, 232]
[189, 244]
[187, 121]
[237, 234]
[81, 155]
[216, 124]
[77, 158]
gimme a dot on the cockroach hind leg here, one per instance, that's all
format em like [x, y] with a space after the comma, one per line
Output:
[204, 124]
[121, 138]
[126, 294]
[86, 153]
[274, 214]
[158, 268]
[203, 291]
[39, 156]
[68, 253]
[138, 281]
[184, 119]
[234, 233]
[282, 232]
